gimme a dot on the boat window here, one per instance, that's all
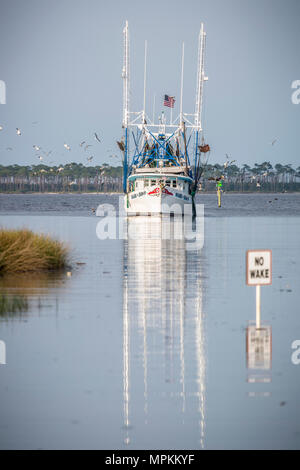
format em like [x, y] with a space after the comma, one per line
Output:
[153, 182]
[146, 183]
[174, 184]
[168, 183]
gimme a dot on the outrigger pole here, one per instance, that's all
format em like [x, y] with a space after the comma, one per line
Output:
[181, 91]
[145, 83]
[199, 96]
[126, 103]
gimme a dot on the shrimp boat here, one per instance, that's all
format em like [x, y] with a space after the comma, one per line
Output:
[161, 161]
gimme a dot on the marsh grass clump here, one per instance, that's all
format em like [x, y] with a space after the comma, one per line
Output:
[12, 304]
[23, 251]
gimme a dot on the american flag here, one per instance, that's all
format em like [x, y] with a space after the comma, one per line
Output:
[169, 101]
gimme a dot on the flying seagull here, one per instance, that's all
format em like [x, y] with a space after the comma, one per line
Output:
[1, 128]
[87, 146]
[18, 132]
[82, 143]
[227, 163]
[90, 159]
[97, 138]
[67, 147]
[37, 148]
[273, 142]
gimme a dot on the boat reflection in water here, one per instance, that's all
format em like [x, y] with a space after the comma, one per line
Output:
[259, 357]
[163, 335]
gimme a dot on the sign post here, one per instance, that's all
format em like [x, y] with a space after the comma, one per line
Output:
[258, 273]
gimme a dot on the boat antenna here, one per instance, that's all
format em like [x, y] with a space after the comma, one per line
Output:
[154, 103]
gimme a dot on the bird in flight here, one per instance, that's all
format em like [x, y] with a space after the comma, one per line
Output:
[90, 159]
[82, 143]
[67, 147]
[273, 142]
[97, 138]
[1, 128]
[87, 147]
[18, 132]
[37, 148]
[227, 163]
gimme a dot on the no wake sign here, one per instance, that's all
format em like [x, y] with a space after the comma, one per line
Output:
[259, 268]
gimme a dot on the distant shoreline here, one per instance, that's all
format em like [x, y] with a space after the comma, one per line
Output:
[120, 194]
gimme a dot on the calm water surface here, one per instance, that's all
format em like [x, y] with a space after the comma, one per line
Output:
[148, 345]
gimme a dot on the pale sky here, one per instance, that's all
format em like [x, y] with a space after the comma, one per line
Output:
[61, 61]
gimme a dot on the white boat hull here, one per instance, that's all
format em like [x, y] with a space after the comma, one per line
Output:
[147, 203]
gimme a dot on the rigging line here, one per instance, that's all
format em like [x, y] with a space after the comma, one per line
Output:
[136, 143]
[203, 113]
[203, 168]
[205, 165]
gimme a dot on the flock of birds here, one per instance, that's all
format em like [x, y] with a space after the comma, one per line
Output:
[228, 163]
[42, 154]
[85, 145]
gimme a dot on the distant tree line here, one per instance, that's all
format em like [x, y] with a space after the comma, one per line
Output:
[261, 177]
[75, 177]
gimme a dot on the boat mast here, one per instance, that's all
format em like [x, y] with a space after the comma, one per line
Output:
[145, 83]
[199, 90]
[126, 103]
[200, 78]
[181, 91]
